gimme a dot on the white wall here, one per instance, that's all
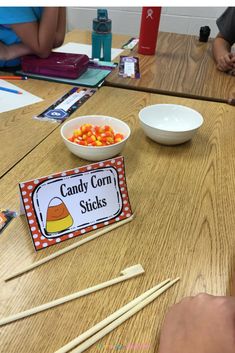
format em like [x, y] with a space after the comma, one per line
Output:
[126, 20]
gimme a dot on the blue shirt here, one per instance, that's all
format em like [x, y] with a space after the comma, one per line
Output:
[13, 15]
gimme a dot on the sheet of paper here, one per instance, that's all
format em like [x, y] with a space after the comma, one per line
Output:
[10, 101]
[78, 48]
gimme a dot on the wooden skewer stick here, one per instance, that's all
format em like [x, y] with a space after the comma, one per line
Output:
[127, 273]
[69, 248]
[108, 324]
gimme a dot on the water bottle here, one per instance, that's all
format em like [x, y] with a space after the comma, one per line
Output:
[102, 36]
[149, 30]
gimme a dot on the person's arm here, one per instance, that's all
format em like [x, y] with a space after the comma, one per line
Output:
[14, 51]
[10, 52]
[61, 28]
[39, 36]
[201, 324]
[225, 60]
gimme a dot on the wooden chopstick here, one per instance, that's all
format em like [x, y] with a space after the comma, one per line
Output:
[127, 273]
[117, 318]
[69, 248]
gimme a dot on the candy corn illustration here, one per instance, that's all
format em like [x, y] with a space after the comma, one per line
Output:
[58, 216]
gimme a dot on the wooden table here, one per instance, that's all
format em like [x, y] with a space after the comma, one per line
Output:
[182, 66]
[19, 132]
[183, 198]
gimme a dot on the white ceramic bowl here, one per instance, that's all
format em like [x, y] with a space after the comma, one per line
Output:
[170, 124]
[97, 153]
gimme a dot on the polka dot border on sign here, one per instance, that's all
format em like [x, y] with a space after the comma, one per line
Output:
[28, 187]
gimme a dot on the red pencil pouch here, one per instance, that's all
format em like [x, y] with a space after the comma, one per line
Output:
[57, 64]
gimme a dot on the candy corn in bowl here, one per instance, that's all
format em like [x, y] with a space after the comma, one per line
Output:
[95, 137]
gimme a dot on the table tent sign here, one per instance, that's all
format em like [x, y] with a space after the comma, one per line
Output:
[71, 203]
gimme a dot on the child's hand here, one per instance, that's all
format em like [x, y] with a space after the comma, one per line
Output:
[226, 62]
[3, 51]
[13, 51]
[203, 323]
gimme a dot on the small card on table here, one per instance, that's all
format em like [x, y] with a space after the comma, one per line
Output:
[129, 67]
[66, 105]
[6, 216]
[73, 202]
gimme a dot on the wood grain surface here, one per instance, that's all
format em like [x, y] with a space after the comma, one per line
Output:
[183, 198]
[182, 66]
[19, 132]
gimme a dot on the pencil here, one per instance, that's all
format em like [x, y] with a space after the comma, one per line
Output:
[13, 77]
[10, 90]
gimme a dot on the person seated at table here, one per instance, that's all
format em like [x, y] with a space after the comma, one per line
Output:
[200, 324]
[222, 44]
[30, 30]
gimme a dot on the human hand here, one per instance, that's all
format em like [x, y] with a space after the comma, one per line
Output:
[226, 62]
[13, 51]
[3, 51]
[202, 324]
[231, 72]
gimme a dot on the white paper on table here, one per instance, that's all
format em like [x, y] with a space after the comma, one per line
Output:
[10, 101]
[78, 48]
